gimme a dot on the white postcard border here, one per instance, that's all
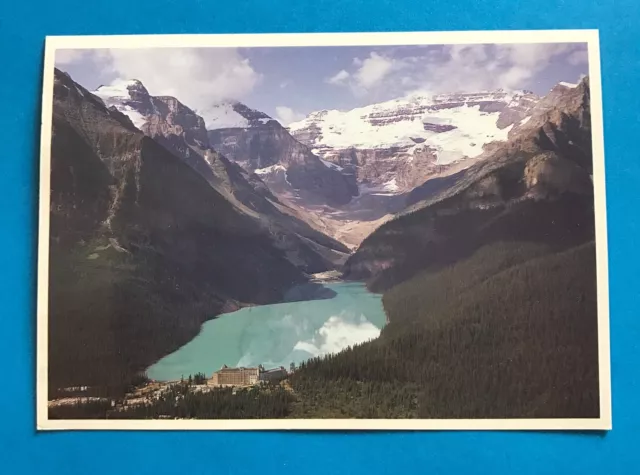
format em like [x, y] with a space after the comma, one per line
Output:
[591, 37]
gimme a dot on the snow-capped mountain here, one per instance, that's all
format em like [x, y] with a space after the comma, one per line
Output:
[181, 131]
[169, 122]
[146, 111]
[333, 166]
[261, 145]
[233, 115]
[409, 138]
[121, 93]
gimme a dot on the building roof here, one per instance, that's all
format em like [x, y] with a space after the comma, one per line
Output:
[275, 370]
[241, 368]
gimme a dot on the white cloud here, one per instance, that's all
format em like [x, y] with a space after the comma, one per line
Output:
[580, 56]
[68, 56]
[97, 58]
[512, 78]
[286, 115]
[370, 74]
[339, 78]
[373, 70]
[339, 332]
[511, 66]
[198, 77]
[451, 68]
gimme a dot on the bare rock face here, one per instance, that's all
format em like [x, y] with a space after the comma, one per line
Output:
[180, 130]
[393, 169]
[170, 116]
[548, 173]
[262, 142]
[415, 137]
[560, 122]
[518, 109]
[170, 123]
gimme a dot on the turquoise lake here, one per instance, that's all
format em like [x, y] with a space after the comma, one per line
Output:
[279, 334]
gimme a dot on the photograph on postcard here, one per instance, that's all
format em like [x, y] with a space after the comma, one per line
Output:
[301, 229]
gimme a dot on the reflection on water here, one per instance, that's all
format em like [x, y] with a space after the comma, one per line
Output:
[279, 334]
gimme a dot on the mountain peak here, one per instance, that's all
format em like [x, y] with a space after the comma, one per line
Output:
[122, 88]
[564, 84]
[130, 97]
[233, 115]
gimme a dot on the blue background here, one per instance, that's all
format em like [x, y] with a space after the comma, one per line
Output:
[23, 26]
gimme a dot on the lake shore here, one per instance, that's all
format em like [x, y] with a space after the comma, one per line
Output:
[279, 334]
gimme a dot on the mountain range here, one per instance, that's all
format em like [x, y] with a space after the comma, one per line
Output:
[396, 144]
[160, 221]
[343, 173]
[181, 131]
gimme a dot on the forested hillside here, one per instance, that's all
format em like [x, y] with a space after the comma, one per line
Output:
[509, 333]
[489, 284]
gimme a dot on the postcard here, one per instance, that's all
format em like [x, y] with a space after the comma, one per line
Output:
[323, 231]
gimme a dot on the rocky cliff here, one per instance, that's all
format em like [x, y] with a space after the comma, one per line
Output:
[179, 129]
[260, 144]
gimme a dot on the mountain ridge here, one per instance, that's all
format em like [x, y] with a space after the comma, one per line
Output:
[179, 129]
[548, 159]
[261, 142]
[412, 137]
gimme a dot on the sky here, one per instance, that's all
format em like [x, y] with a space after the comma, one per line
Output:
[290, 82]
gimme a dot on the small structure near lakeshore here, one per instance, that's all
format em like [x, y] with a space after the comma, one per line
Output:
[226, 376]
[242, 376]
[274, 375]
